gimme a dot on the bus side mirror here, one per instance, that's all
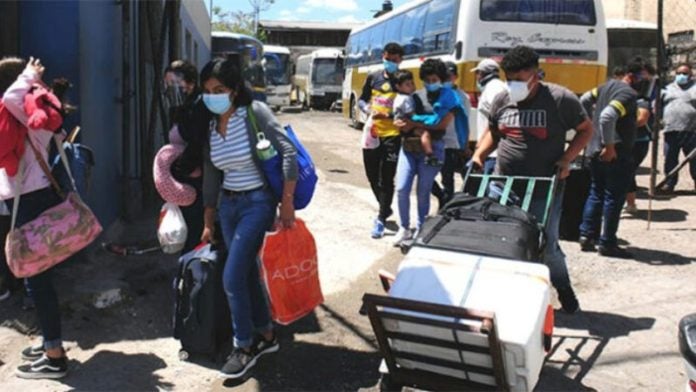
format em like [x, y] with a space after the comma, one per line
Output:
[458, 49]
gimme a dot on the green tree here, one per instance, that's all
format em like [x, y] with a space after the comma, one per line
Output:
[239, 21]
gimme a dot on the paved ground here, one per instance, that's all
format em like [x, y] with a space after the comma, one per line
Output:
[625, 338]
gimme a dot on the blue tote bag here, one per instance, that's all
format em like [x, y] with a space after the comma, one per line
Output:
[273, 169]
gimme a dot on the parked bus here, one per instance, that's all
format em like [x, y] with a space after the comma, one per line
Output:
[318, 78]
[570, 36]
[278, 70]
[628, 39]
[248, 52]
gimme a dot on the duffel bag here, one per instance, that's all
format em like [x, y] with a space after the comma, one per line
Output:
[482, 226]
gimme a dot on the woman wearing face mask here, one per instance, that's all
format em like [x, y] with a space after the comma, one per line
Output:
[235, 188]
[191, 119]
[413, 163]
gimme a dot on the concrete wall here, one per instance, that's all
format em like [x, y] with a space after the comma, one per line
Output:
[196, 20]
[679, 15]
[100, 72]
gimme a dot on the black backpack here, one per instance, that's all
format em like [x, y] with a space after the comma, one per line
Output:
[484, 227]
[201, 316]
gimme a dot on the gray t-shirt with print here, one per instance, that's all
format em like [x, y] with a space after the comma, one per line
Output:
[531, 134]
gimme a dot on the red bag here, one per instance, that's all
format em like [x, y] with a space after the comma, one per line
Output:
[290, 272]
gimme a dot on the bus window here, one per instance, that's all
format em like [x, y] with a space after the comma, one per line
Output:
[569, 12]
[412, 30]
[328, 71]
[361, 47]
[277, 68]
[392, 30]
[437, 36]
[376, 42]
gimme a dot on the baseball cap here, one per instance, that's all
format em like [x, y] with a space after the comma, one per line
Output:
[486, 66]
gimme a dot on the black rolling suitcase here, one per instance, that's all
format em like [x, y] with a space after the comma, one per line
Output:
[202, 320]
[482, 226]
[577, 189]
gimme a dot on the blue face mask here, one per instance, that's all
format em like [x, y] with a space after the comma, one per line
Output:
[448, 85]
[681, 79]
[217, 103]
[390, 66]
[433, 87]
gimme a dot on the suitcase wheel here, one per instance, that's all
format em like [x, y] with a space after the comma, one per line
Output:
[183, 355]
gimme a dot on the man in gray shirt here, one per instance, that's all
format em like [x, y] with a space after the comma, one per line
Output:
[615, 107]
[528, 123]
[679, 100]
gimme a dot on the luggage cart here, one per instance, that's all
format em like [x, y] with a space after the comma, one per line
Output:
[479, 185]
[433, 332]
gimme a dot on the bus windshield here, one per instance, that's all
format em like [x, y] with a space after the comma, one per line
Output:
[625, 44]
[328, 71]
[566, 12]
[277, 68]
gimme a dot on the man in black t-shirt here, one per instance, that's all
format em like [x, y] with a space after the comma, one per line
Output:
[528, 124]
[615, 114]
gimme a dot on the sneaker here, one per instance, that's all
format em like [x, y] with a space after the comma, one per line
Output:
[32, 353]
[631, 209]
[587, 244]
[665, 190]
[615, 251]
[569, 302]
[402, 235]
[378, 229]
[267, 346]
[44, 367]
[238, 363]
[432, 161]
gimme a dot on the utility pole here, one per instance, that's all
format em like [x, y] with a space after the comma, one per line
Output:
[258, 6]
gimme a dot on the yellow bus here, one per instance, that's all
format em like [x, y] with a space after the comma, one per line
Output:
[569, 35]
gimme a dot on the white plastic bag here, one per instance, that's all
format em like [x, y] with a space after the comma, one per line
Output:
[369, 140]
[172, 230]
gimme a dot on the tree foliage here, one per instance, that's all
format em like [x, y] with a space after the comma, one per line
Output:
[239, 21]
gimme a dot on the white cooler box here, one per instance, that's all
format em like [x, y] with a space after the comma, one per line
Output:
[517, 293]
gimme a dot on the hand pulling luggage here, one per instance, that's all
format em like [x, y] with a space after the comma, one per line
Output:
[481, 226]
[201, 316]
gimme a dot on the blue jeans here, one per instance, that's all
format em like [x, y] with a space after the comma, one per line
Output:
[489, 165]
[40, 287]
[674, 143]
[610, 183]
[409, 166]
[554, 258]
[244, 220]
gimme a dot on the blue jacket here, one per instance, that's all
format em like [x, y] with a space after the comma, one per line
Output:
[448, 101]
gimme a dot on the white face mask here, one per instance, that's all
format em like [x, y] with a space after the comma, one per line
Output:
[519, 91]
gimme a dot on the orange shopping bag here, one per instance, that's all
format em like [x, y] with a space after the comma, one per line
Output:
[290, 272]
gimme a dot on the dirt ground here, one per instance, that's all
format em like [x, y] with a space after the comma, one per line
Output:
[624, 339]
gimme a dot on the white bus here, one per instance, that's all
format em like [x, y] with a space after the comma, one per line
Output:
[569, 35]
[318, 78]
[628, 39]
[278, 70]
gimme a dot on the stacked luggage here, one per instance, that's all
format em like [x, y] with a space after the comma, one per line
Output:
[470, 304]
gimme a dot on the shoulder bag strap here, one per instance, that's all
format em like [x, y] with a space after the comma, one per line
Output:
[254, 123]
[46, 169]
[19, 179]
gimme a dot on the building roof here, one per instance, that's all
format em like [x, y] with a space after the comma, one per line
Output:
[306, 25]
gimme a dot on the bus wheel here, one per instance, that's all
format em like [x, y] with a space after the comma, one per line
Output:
[355, 114]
